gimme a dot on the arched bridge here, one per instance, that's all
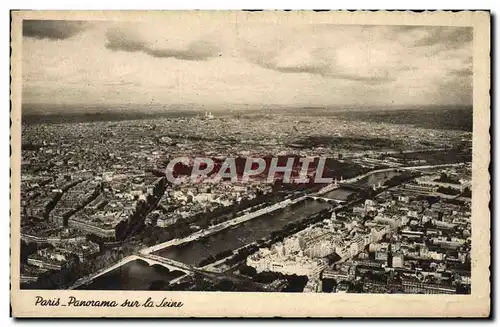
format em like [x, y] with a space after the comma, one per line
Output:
[319, 198]
[151, 259]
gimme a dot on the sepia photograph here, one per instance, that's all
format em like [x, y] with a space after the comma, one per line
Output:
[161, 156]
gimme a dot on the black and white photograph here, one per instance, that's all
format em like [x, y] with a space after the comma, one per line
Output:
[232, 154]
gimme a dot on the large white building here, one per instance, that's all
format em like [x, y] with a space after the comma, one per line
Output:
[297, 264]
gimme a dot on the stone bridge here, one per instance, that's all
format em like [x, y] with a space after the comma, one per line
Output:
[149, 258]
[322, 199]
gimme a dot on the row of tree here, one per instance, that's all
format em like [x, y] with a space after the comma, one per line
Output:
[295, 283]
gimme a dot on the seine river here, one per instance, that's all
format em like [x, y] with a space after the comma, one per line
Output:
[140, 276]
[374, 179]
[239, 235]
[135, 275]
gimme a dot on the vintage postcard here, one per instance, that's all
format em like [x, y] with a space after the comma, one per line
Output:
[250, 164]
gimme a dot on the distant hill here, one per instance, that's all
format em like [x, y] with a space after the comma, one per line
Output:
[452, 118]
[36, 114]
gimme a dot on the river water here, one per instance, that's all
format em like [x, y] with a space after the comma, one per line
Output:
[374, 179]
[135, 275]
[338, 194]
[237, 236]
[139, 276]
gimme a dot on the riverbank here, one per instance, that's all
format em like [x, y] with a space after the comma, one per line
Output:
[239, 233]
[280, 205]
[219, 227]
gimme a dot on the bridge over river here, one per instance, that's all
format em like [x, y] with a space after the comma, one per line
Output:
[149, 258]
[152, 259]
[170, 264]
[319, 198]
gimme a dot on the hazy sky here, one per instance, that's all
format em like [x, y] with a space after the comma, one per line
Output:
[170, 62]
